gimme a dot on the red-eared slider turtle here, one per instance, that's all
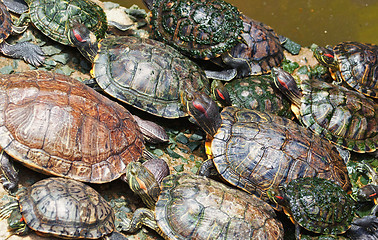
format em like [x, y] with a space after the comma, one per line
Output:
[345, 117]
[354, 63]
[145, 73]
[52, 17]
[196, 207]
[256, 151]
[316, 204]
[253, 92]
[31, 53]
[57, 125]
[260, 51]
[198, 28]
[62, 208]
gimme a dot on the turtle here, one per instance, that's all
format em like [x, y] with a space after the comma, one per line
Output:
[200, 29]
[354, 63]
[57, 125]
[252, 92]
[62, 208]
[316, 204]
[255, 150]
[345, 117]
[144, 73]
[31, 53]
[189, 206]
[260, 51]
[52, 17]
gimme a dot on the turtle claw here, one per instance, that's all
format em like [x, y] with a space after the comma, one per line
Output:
[31, 53]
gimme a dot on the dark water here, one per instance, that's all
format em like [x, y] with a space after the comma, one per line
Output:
[311, 21]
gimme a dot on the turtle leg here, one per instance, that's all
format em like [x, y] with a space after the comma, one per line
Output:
[142, 216]
[225, 75]
[207, 168]
[8, 174]
[151, 131]
[31, 53]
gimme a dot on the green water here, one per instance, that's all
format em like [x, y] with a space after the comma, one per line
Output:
[309, 21]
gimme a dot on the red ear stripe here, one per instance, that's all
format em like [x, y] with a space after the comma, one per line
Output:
[200, 108]
[77, 36]
[372, 195]
[220, 94]
[282, 83]
[328, 55]
[279, 197]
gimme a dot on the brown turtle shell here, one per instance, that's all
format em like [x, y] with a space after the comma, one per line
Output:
[56, 125]
[5, 22]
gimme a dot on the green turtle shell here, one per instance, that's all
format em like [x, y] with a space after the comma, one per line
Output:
[345, 117]
[255, 151]
[147, 74]
[66, 208]
[196, 207]
[358, 66]
[320, 205]
[198, 28]
[258, 93]
[52, 17]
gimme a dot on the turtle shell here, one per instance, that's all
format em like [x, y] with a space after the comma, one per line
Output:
[261, 49]
[5, 22]
[52, 17]
[345, 117]
[258, 93]
[198, 28]
[255, 151]
[320, 205]
[66, 208]
[56, 125]
[147, 74]
[358, 66]
[190, 205]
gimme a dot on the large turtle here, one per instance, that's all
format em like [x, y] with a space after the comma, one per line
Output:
[198, 28]
[354, 63]
[31, 53]
[345, 117]
[52, 17]
[145, 73]
[256, 151]
[195, 207]
[62, 208]
[57, 125]
[316, 204]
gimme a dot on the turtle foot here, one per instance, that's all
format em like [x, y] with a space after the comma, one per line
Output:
[31, 53]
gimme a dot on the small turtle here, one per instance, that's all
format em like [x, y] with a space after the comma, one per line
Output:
[197, 28]
[195, 207]
[62, 208]
[254, 151]
[57, 125]
[354, 63]
[144, 73]
[253, 92]
[345, 117]
[31, 53]
[52, 17]
[316, 204]
[260, 51]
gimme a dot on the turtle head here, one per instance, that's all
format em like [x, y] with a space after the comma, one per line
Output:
[287, 85]
[220, 93]
[277, 196]
[368, 192]
[325, 56]
[203, 110]
[143, 182]
[16, 222]
[82, 38]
